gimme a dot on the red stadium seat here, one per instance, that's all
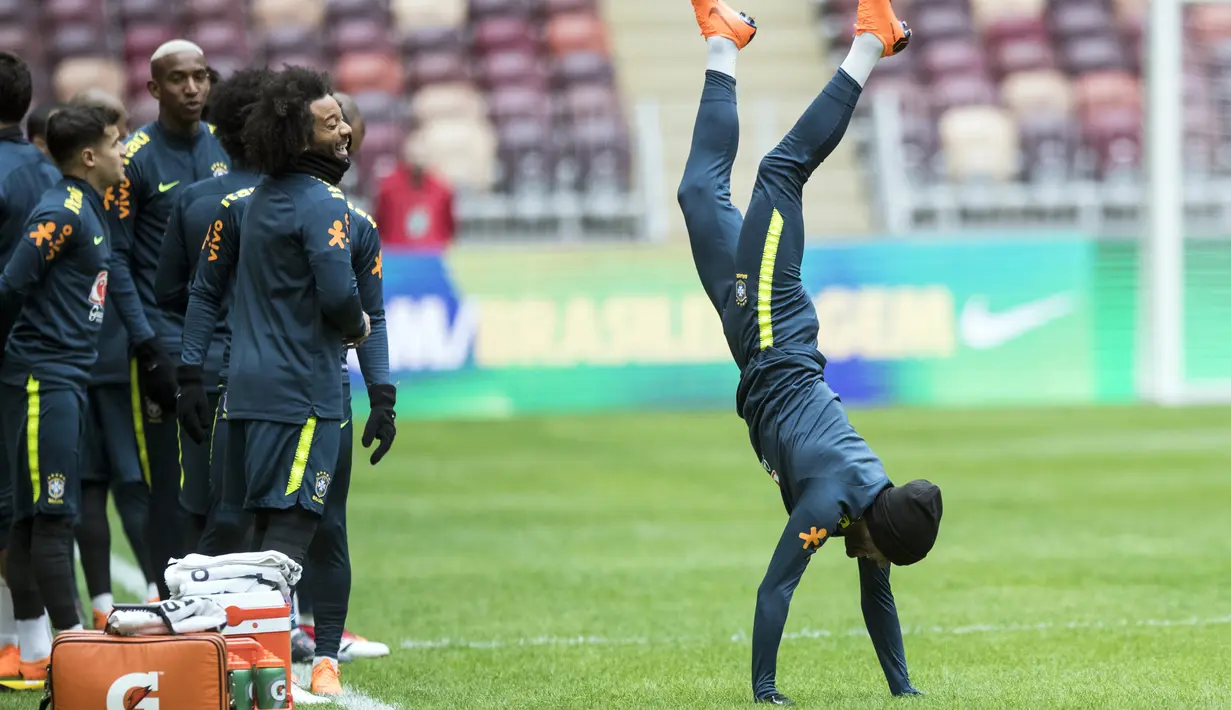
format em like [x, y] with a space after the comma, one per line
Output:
[361, 34]
[555, 7]
[1103, 90]
[1098, 53]
[1115, 136]
[962, 90]
[933, 23]
[379, 106]
[508, 103]
[369, 71]
[589, 101]
[527, 156]
[148, 11]
[949, 57]
[291, 38]
[576, 31]
[504, 33]
[78, 40]
[1006, 28]
[1049, 142]
[603, 150]
[1023, 54]
[1074, 18]
[141, 39]
[1039, 91]
[459, 101]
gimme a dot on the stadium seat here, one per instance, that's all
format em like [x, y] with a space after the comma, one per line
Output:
[147, 11]
[504, 33]
[556, 7]
[1114, 133]
[234, 10]
[271, 14]
[77, 73]
[337, 10]
[1008, 28]
[980, 144]
[308, 59]
[986, 12]
[945, 58]
[938, 22]
[480, 9]
[1097, 53]
[1037, 92]
[417, 14]
[1210, 21]
[227, 64]
[1049, 142]
[13, 12]
[436, 67]
[379, 106]
[519, 103]
[291, 38]
[962, 90]
[1098, 91]
[369, 71]
[576, 31]
[1074, 18]
[463, 151]
[78, 40]
[20, 40]
[527, 157]
[63, 12]
[431, 39]
[583, 67]
[513, 67]
[361, 35]
[440, 101]
[221, 37]
[602, 149]
[1023, 54]
[140, 40]
[589, 101]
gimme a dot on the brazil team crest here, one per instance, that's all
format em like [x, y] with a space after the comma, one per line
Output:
[741, 290]
[153, 412]
[219, 169]
[321, 487]
[56, 485]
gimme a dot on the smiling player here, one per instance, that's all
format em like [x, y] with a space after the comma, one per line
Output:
[831, 482]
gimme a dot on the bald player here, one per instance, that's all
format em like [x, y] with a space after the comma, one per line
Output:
[163, 158]
[110, 461]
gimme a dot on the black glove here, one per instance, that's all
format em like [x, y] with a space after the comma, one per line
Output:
[157, 373]
[380, 422]
[192, 406]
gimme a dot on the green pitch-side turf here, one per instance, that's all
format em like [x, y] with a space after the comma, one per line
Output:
[1084, 561]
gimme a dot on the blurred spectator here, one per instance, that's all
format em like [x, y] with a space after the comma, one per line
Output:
[36, 125]
[414, 206]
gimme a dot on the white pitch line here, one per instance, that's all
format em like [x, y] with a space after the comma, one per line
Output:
[132, 580]
[742, 636]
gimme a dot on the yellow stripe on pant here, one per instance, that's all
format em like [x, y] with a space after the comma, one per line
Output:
[765, 281]
[139, 421]
[32, 416]
[301, 456]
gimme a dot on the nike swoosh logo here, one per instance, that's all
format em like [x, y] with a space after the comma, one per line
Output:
[164, 186]
[980, 329]
[345, 423]
[98, 240]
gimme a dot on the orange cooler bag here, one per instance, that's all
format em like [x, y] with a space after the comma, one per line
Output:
[90, 669]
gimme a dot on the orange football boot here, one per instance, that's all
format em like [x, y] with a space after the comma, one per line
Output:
[10, 662]
[326, 678]
[877, 17]
[717, 19]
[100, 619]
[35, 670]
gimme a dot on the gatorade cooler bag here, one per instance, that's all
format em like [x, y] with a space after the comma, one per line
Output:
[91, 669]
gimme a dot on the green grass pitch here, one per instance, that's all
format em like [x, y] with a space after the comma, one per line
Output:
[1084, 561]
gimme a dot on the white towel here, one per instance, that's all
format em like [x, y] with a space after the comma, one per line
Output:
[174, 616]
[234, 573]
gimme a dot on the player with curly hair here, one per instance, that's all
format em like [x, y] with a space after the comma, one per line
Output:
[295, 308]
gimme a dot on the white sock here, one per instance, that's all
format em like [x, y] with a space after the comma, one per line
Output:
[103, 602]
[865, 52]
[74, 627]
[34, 638]
[151, 592]
[307, 620]
[332, 661]
[722, 55]
[8, 622]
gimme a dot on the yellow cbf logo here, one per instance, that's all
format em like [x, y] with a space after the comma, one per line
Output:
[219, 169]
[321, 488]
[57, 484]
[741, 290]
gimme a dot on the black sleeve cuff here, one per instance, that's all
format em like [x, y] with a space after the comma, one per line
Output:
[382, 396]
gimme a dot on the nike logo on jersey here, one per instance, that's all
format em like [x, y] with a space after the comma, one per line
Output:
[164, 186]
[981, 329]
[98, 240]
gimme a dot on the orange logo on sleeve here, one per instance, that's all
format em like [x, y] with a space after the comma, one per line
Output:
[44, 233]
[379, 271]
[813, 539]
[338, 232]
[65, 232]
[214, 239]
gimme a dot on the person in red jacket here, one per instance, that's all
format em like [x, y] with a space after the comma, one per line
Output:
[414, 206]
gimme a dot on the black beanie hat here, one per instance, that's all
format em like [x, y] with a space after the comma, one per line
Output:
[904, 521]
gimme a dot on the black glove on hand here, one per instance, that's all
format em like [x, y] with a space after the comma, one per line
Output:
[192, 407]
[157, 373]
[380, 422]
